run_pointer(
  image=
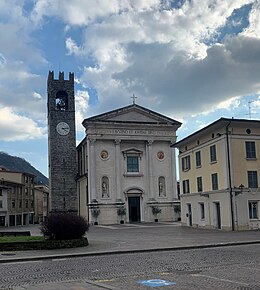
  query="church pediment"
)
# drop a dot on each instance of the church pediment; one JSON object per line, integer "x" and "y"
{"x": 132, "y": 114}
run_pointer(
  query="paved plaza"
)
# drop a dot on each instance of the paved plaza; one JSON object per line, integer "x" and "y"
{"x": 139, "y": 256}
{"x": 137, "y": 237}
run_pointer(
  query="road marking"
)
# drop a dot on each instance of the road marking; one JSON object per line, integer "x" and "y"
{"x": 219, "y": 279}
{"x": 22, "y": 262}
{"x": 156, "y": 283}
{"x": 61, "y": 259}
{"x": 107, "y": 280}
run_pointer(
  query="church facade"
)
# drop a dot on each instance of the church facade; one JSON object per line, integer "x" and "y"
{"x": 126, "y": 167}
{"x": 124, "y": 170}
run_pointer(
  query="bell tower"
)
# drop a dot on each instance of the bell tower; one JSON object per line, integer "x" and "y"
{"x": 62, "y": 143}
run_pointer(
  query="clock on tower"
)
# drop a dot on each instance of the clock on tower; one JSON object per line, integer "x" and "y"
{"x": 62, "y": 144}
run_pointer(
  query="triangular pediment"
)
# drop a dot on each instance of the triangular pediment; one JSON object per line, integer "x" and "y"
{"x": 133, "y": 114}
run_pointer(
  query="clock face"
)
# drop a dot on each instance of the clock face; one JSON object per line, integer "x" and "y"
{"x": 63, "y": 128}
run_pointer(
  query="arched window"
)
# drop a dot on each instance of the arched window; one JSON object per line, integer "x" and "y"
{"x": 61, "y": 101}
{"x": 105, "y": 187}
{"x": 161, "y": 186}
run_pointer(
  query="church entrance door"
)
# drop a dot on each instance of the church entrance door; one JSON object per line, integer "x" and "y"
{"x": 134, "y": 209}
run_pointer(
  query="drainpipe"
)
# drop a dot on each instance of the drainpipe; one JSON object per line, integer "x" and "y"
{"x": 229, "y": 179}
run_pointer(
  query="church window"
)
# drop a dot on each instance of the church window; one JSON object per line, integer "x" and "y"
{"x": 161, "y": 186}
{"x": 132, "y": 164}
{"x": 105, "y": 187}
{"x": 61, "y": 101}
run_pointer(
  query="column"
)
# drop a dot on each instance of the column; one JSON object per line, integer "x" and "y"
{"x": 92, "y": 170}
{"x": 150, "y": 169}
{"x": 173, "y": 169}
{"x": 118, "y": 171}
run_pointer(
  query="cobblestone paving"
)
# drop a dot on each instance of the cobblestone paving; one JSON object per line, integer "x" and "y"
{"x": 216, "y": 268}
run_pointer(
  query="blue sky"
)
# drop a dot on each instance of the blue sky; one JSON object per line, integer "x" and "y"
{"x": 194, "y": 61}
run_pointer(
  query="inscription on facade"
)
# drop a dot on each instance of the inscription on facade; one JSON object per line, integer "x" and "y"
{"x": 132, "y": 132}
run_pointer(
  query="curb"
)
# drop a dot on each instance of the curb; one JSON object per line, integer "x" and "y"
{"x": 106, "y": 253}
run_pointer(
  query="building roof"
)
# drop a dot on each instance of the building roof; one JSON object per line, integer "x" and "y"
{"x": 220, "y": 123}
{"x": 114, "y": 116}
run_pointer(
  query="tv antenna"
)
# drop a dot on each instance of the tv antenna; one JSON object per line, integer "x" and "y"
{"x": 249, "y": 108}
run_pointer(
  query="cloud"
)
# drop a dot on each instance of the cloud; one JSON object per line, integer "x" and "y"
{"x": 81, "y": 104}
{"x": 163, "y": 57}
{"x": 14, "y": 127}
{"x": 165, "y": 52}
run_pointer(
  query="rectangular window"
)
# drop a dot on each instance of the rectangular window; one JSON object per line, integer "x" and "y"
{"x": 185, "y": 161}
{"x": 214, "y": 180}
{"x": 199, "y": 184}
{"x": 13, "y": 203}
{"x": 1, "y": 204}
{"x": 250, "y": 149}
{"x": 132, "y": 164}
{"x": 202, "y": 211}
{"x": 252, "y": 179}
{"x": 1, "y": 192}
{"x": 213, "y": 153}
{"x": 252, "y": 207}
{"x": 198, "y": 159}
{"x": 186, "y": 186}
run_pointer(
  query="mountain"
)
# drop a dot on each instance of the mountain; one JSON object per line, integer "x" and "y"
{"x": 19, "y": 164}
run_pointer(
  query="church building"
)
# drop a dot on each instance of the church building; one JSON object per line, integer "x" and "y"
{"x": 126, "y": 165}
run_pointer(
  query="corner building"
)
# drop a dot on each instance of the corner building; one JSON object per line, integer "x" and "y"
{"x": 125, "y": 161}
{"x": 219, "y": 175}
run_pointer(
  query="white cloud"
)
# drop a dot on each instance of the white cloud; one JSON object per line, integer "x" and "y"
{"x": 254, "y": 21}
{"x": 14, "y": 127}
{"x": 81, "y": 103}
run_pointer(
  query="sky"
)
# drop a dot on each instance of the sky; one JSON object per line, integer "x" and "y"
{"x": 191, "y": 60}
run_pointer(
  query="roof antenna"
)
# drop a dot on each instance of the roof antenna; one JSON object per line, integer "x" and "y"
{"x": 133, "y": 97}
{"x": 249, "y": 108}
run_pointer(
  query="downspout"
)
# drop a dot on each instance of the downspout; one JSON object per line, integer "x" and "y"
{"x": 229, "y": 179}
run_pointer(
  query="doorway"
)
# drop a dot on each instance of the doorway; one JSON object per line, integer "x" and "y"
{"x": 189, "y": 214}
{"x": 217, "y": 215}
{"x": 134, "y": 209}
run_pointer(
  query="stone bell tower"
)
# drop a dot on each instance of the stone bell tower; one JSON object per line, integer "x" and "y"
{"x": 62, "y": 144}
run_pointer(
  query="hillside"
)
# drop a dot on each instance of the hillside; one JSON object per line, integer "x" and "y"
{"x": 19, "y": 164}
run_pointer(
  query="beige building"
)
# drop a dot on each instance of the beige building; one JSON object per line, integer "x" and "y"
{"x": 126, "y": 162}
{"x": 219, "y": 169}
{"x": 41, "y": 203}
{"x": 16, "y": 198}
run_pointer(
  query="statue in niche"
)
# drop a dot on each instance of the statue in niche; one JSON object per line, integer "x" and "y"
{"x": 161, "y": 185}
{"x": 105, "y": 191}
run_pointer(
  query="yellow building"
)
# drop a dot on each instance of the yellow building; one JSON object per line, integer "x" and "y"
{"x": 219, "y": 167}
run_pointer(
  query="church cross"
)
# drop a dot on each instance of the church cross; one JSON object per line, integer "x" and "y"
{"x": 133, "y": 97}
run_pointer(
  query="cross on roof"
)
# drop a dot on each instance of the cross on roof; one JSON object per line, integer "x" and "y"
{"x": 133, "y": 97}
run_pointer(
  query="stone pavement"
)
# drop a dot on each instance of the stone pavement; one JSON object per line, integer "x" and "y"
{"x": 142, "y": 237}
{"x": 127, "y": 238}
